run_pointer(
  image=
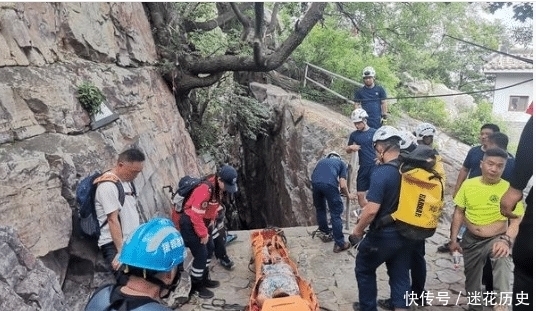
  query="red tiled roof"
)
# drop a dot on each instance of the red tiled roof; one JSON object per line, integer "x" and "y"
{"x": 503, "y": 63}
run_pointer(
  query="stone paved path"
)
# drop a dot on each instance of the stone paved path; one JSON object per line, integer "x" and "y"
{"x": 332, "y": 275}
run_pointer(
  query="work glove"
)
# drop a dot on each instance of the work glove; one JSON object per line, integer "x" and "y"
{"x": 384, "y": 119}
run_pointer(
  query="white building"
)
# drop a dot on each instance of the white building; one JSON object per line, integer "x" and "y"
{"x": 510, "y": 103}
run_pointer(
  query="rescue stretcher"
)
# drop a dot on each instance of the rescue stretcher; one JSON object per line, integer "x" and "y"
{"x": 278, "y": 286}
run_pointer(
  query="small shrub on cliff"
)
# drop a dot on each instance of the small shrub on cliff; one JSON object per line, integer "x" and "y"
{"x": 90, "y": 97}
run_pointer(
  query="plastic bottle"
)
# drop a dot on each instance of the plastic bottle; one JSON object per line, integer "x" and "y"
{"x": 457, "y": 258}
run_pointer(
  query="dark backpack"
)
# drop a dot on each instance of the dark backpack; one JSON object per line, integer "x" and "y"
{"x": 85, "y": 198}
{"x": 186, "y": 186}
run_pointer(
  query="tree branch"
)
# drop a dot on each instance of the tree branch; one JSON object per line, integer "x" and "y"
{"x": 247, "y": 63}
{"x": 190, "y": 26}
{"x": 188, "y": 82}
{"x": 244, "y": 20}
{"x": 273, "y": 20}
{"x": 258, "y": 54}
{"x": 349, "y": 16}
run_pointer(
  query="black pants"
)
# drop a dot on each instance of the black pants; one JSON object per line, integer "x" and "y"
{"x": 202, "y": 253}
{"x": 523, "y": 260}
{"x": 219, "y": 237}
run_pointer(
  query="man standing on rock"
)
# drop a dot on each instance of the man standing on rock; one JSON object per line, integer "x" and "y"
{"x": 372, "y": 98}
{"x": 382, "y": 244}
{"x": 330, "y": 174}
{"x": 360, "y": 141}
{"x": 118, "y": 221}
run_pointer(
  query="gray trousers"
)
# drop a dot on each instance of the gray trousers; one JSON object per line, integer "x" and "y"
{"x": 476, "y": 250}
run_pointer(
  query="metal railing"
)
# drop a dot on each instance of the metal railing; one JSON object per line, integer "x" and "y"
{"x": 306, "y": 78}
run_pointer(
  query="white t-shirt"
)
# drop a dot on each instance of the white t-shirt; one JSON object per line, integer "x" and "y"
{"x": 107, "y": 201}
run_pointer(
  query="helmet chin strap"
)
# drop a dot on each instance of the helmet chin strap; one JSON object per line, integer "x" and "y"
{"x": 171, "y": 287}
{"x": 383, "y": 152}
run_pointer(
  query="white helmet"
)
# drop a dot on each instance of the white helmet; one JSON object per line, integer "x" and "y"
{"x": 407, "y": 139}
{"x": 425, "y": 129}
{"x": 385, "y": 132}
{"x": 333, "y": 154}
{"x": 358, "y": 115}
{"x": 369, "y": 72}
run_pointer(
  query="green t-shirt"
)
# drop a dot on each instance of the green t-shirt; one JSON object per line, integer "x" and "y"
{"x": 481, "y": 202}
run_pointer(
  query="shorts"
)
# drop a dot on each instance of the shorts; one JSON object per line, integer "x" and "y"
{"x": 363, "y": 178}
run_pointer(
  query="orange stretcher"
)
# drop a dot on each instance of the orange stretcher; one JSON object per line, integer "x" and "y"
{"x": 278, "y": 286}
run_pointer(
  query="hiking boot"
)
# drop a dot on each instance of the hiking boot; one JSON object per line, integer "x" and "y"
{"x": 201, "y": 291}
{"x": 385, "y": 304}
{"x": 207, "y": 282}
{"x": 227, "y": 263}
{"x": 338, "y": 249}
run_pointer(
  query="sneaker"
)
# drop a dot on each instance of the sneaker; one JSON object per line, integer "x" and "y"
{"x": 338, "y": 249}
{"x": 230, "y": 237}
{"x": 227, "y": 263}
{"x": 385, "y": 304}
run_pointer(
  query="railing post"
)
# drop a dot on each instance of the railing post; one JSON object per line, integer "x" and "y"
{"x": 305, "y": 75}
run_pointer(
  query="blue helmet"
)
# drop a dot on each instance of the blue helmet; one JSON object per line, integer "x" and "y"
{"x": 155, "y": 245}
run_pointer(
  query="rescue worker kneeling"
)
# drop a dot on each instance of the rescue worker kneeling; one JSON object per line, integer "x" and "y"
{"x": 151, "y": 259}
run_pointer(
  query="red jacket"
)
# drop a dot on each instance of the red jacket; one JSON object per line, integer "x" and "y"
{"x": 201, "y": 206}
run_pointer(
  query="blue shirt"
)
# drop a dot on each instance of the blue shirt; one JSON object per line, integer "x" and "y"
{"x": 329, "y": 170}
{"x": 508, "y": 173}
{"x": 384, "y": 190}
{"x": 370, "y": 99}
{"x": 475, "y": 155}
{"x": 472, "y": 161}
{"x": 366, "y": 152}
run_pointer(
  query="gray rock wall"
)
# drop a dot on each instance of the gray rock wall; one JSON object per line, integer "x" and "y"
{"x": 25, "y": 283}
{"x": 46, "y": 144}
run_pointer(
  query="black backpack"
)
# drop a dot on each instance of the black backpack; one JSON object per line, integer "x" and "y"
{"x": 85, "y": 198}
{"x": 186, "y": 186}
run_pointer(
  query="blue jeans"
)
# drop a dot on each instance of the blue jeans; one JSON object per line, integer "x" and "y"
{"x": 325, "y": 192}
{"x": 387, "y": 246}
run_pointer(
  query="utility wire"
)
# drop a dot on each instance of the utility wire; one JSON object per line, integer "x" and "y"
{"x": 523, "y": 59}
{"x": 463, "y": 93}
{"x": 446, "y": 95}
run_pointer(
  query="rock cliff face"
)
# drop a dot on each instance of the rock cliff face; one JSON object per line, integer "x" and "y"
{"x": 46, "y": 143}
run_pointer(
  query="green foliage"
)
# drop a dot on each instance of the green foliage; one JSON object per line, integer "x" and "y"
{"x": 429, "y": 109}
{"x": 227, "y": 107}
{"x": 345, "y": 55}
{"x": 466, "y": 127}
{"x": 90, "y": 97}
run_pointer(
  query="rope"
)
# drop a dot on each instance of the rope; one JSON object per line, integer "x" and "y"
{"x": 221, "y": 304}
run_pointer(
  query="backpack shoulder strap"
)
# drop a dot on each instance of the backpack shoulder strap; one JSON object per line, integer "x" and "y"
{"x": 113, "y": 178}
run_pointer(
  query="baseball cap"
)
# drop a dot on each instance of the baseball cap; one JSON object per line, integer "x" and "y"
{"x": 228, "y": 175}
